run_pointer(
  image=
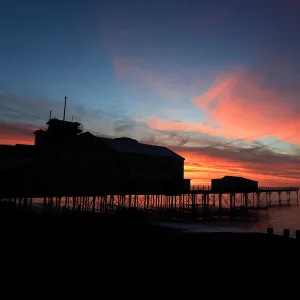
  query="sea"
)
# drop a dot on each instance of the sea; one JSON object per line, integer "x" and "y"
{"x": 279, "y": 218}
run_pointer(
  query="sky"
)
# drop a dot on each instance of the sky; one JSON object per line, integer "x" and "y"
{"x": 217, "y": 81}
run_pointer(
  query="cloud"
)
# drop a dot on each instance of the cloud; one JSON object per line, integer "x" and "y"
{"x": 21, "y": 116}
{"x": 160, "y": 124}
{"x": 30, "y": 110}
{"x": 201, "y": 169}
{"x": 11, "y": 134}
{"x": 209, "y": 156}
{"x": 255, "y": 154}
{"x": 14, "y": 107}
{"x": 242, "y": 106}
{"x": 241, "y": 109}
{"x": 258, "y": 163}
{"x": 244, "y": 149}
{"x": 124, "y": 127}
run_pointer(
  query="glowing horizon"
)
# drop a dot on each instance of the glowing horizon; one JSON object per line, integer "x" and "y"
{"x": 201, "y": 168}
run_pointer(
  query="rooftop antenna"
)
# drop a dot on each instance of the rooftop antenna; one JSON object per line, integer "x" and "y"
{"x": 65, "y": 109}
{"x": 50, "y": 115}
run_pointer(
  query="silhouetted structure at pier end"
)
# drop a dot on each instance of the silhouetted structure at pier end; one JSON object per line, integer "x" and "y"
{"x": 234, "y": 184}
{"x": 65, "y": 161}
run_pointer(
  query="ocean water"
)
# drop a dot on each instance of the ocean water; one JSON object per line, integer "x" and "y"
{"x": 279, "y": 218}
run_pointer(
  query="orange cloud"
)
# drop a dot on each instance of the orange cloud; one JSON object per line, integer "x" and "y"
{"x": 237, "y": 105}
{"x": 11, "y": 134}
{"x": 201, "y": 168}
{"x": 242, "y": 107}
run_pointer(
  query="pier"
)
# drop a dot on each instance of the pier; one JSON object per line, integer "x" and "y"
{"x": 68, "y": 170}
{"x": 197, "y": 202}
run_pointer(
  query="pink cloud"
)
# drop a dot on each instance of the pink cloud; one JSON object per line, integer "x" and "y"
{"x": 11, "y": 134}
{"x": 202, "y": 167}
{"x": 242, "y": 107}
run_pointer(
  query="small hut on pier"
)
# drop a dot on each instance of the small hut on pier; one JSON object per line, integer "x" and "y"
{"x": 234, "y": 184}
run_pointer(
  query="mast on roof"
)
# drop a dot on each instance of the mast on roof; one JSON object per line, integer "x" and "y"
{"x": 65, "y": 109}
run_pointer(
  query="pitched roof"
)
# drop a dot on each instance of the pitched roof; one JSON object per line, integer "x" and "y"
{"x": 127, "y": 145}
{"x": 236, "y": 178}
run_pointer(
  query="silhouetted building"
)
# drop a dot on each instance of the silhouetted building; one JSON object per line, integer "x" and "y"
{"x": 64, "y": 159}
{"x": 233, "y": 184}
{"x": 58, "y": 132}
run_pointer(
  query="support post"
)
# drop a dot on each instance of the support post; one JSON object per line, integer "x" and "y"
{"x": 279, "y": 195}
{"x": 93, "y": 205}
{"x": 258, "y": 199}
{"x": 246, "y": 200}
{"x": 270, "y": 231}
{"x": 286, "y": 233}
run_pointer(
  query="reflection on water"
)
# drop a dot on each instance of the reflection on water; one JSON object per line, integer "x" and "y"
{"x": 277, "y": 217}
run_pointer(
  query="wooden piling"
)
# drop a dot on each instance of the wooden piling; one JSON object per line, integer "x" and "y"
{"x": 286, "y": 233}
{"x": 270, "y": 231}
{"x": 93, "y": 205}
{"x": 220, "y": 203}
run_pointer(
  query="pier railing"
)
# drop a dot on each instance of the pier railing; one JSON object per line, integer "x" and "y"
{"x": 200, "y": 188}
{"x": 207, "y": 188}
{"x": 278, "y": 189}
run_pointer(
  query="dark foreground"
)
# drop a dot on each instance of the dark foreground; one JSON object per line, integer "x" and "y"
{"x": 92, "y": 256}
